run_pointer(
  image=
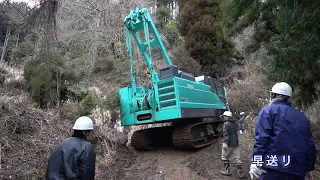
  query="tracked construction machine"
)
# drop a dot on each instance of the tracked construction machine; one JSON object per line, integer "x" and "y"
{"x": 191, "y": 105}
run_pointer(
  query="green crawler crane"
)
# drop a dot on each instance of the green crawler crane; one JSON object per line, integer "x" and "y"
{"x": 191, "y": 105}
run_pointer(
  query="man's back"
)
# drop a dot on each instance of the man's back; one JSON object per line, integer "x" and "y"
{"x": 73, "y": 158}
{"x": 286, "y": 131}
{"x": 230, "y": 130}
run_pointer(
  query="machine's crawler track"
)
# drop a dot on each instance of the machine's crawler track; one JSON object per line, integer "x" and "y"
{"x": 152, "y": 138}
{"x": 194, "y": 136}
{"x": 190, "y": 136}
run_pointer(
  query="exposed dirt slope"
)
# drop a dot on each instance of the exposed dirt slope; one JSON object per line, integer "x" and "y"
{"x": 173, "y": 164}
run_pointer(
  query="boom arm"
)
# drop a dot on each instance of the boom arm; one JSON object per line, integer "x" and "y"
{"x": 179, "y": 97}
{"x": 137, "y": 21}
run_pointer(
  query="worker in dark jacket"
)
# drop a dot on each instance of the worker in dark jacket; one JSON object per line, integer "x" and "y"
{"x": 74, "y": 158}
{"x": 284, "y": 146}
{"x": 230, "y": 145}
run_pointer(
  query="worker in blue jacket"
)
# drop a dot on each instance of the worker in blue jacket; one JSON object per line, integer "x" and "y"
{"x": 284, "y": 148}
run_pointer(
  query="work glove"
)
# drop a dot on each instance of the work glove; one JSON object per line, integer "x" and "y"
{"x": 255, "y": 171}
{"x": 308, "y": 176}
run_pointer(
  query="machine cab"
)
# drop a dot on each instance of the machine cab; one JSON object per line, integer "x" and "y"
{"x": 215, "y": 85}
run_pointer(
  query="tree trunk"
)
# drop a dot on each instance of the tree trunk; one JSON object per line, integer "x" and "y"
{"x": 4, "y": 48}
{"x": 172, "y": 9}
{"x": 58, "y": 90}
{"x": 15, "y": 46}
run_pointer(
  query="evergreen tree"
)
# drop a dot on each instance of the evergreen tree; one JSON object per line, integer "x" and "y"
{"x": 291, "y": 33}
{"x": 201, "y": 23}
{"x": 162, "y": 16}
{"x": 294, "y": 52}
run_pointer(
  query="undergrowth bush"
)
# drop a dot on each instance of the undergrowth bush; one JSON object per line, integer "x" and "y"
{"x": 69, "y": 111}
{"x": 73, "y": 109}
{"x": 103, "y": 66}
{"x": 27, "y": 137}
{"x": 3, "y": 73}
{"x": 76, "y": 92}
{"x": 87, "y": 105}
{"x": 250, "y": 93}
{"x": 172, "y": 33}
{"x": 111, "y": 100}
{"x": 47, "y": 78}
{"x": 244, "y": 96}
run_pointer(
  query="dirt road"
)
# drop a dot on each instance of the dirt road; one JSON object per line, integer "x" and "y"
{"x": 172, "y": 164}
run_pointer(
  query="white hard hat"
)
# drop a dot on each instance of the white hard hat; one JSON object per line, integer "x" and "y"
{"x": 227, "y": 113}
{"x": 242, "y": 113}
{"x": 282, "y": 88}
{"x": 83, "y": 123}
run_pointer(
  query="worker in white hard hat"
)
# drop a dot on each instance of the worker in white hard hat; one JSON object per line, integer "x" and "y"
{"x": 242, "y": 123}
{"x": 230, "y": 145}
{"x": 284, "y": 146}
{"x": 74, "y": 157}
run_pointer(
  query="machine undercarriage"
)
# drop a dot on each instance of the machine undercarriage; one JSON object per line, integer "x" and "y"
{"x": 183, "y": 136}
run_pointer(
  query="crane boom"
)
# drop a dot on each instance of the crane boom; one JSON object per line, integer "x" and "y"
{"x": 175, "y": 96}
{"x": 137, "y": 21}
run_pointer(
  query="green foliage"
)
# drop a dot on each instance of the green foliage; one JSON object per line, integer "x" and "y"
{"x": 172, "y": 33}
{"x": 40, "y": 82}
{"x": 165, "y": 3}
{"x": 103, "y": 65}
{"x": 185, "y": 63}
{"x": 87, "y": 105}
{"x": 22, "y": 50}
{"x": 162, "y": 16}
{"x": 112, "y": 100}
{"x": 47, "y": 78}
{"x": 76, "y": 92}
{"x": 233, "y": 9}
{"x": 201, "y": 23}
{"x": 12, "y": 17}
{"x": 294, "y": 52}
{"x": 74, "y": 52}
{"x": 290, "y": 31}
{"x": 240, "y": 14}
{"x": 69, "y": 111}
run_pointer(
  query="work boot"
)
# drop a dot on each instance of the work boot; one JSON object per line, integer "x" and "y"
{"x": 241, "y": 174}
{"x": 226, "y": 170}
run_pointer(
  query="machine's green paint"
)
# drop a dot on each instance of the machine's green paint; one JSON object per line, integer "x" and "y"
{"x": 167, "y": 97}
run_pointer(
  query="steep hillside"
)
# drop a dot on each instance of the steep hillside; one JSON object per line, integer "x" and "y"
{"x": 43, "y": 90}
{"x": 29, "y": 134}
